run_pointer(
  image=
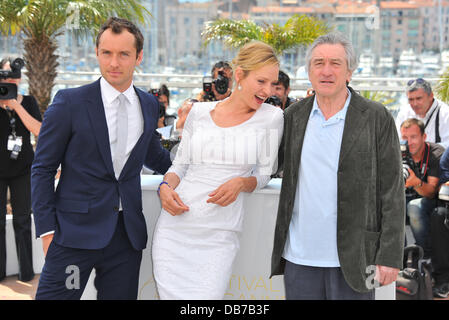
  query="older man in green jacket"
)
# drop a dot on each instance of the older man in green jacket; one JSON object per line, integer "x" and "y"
{"x": 341, "y": 217}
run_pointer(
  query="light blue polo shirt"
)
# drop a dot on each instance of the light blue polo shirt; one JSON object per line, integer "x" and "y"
{"x": 312, "y": 236}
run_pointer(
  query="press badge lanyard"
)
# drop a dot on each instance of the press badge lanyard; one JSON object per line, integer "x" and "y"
{"x": 12, "y": 122}
{"x": 430, "y": 117}
{"x": 13, "y": 139}
{"x": 437, "y": 121}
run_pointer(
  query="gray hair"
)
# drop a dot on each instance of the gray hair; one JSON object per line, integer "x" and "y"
{"x": 419, "y": 83}
{"x": 334, "y": 38}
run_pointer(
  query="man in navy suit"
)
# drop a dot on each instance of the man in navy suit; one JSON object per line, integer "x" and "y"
{"x": 94, "y": 217}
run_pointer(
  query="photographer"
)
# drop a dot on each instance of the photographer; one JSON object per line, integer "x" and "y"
{"x": 163, "y": 96}
{"x": 439, "y": 235}
{"x": 282, "y": 89}
{"x": 172, "y": 143}
{"x": 421, "y": 162}
{"x": 220, "y": 87}
{"x": 19, "y": 116}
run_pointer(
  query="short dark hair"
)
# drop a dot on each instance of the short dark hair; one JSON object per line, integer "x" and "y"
{"x": 164, "y": 91}
{"x": 283, "y": 79}
{"x": 220, "y": 64}
{"x": 413, "y": 121}
{"x": 117, "y": 25}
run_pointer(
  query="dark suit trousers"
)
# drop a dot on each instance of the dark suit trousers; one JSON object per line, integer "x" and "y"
{"x": 19, "y": 188}
{"x": 67, "y": 270}
{"x": 317, "y": 283}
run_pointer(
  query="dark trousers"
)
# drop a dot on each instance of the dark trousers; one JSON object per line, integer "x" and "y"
{"x": 20, "y": 190}
{"x": 317, "y": 283}
{"x": 66, "y": 270}
{"x": 439, "y": 235}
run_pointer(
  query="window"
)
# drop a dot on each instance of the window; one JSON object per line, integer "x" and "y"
{"x": 414, "y": 23}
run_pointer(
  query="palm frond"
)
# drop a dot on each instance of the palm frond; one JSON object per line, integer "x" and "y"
{"x": 378, "y": 96}
{"x": 442, "y": 88}
{"x": 235, "y": 34}
{"x": 299, "y": 30}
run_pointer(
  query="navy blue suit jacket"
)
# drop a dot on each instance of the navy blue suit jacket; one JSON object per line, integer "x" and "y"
{"x": 83, "y": 209}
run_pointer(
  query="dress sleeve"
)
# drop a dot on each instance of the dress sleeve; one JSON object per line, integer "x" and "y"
{"x": 182, "y": 159}
{"x": 267, "y": 151}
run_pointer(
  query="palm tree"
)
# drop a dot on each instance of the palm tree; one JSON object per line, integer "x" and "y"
{"x": 42, "y": 21}
{"x": 299, "y": 30}
{"x": 442, "y": 88}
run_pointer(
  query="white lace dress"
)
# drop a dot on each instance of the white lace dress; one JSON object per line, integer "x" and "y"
{"x": 193, "y": 253}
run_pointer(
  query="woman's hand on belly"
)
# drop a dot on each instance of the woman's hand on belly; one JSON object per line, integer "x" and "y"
{"x": 227, "y": 193}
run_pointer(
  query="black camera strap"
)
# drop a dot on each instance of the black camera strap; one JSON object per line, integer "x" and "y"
{"x": 437, "y": 122}
{"x": 425, "y": 159}
{"x": 12, "y": 121}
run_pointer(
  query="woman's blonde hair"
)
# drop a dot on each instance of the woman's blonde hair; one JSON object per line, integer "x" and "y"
{"x": 254, "y": 55}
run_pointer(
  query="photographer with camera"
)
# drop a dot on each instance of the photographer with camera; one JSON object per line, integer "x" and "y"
{"x": 282, "y": 89}
{"x": 439, "y": 233}
{"x": 421, "y": 174}
{"x": 219, "y": 87}
{"x": 19, "y": 116}
{"x": 163, "y": 96}
{"x": 171, "y": 143}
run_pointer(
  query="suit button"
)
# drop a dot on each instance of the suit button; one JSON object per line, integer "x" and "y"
{"x": 116, "y": 209}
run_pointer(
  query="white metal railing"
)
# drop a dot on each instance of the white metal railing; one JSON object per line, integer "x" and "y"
{"x": 195, "y": 81}
{"x": 183, "y": 86}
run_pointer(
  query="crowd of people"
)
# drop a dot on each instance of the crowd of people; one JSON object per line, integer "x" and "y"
{"x": 424, "y": 125}
{"x": 352, "y": 176}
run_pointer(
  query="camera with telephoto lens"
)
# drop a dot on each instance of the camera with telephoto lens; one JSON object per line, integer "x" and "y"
{"x": 407, "y": 163}
{"x": 221, "y": 83}
{"x": 274, "y": 101}
{"x": 207, "y": 89}
{"x": 407, "y": 160}
{"x": 9, "y": 90}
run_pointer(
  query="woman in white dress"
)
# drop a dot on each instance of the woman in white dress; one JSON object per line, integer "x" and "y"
{"x": 227, "y": 147}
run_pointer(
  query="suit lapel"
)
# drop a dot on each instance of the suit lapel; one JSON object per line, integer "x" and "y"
{"x": 98, "y": 121}
{"x": 356, "y": 118}
{"x": 300, "y": 118}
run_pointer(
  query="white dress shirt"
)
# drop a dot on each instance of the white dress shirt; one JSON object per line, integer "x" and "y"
{"x": 110, "y": 99}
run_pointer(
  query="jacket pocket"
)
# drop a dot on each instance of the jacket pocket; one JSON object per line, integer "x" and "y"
{"x": 70, "y": 206}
